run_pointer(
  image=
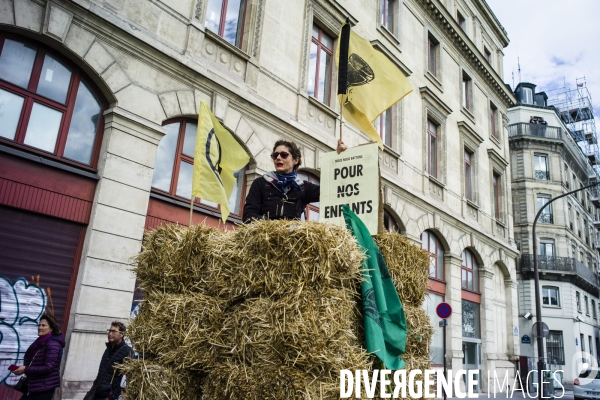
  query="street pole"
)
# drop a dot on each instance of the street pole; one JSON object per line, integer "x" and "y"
{"x": 444, "y": 324}
{"x": 445, "y": 367}
{"x": 538, "y": 306}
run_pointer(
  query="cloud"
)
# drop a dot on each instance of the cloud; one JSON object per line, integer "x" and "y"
{"x": 550, "y": 38}
{"x": 554, "y": 43}
{"x": 558, "y": 61}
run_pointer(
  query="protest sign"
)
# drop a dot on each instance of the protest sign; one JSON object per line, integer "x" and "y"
{"x": 352, "y": 178}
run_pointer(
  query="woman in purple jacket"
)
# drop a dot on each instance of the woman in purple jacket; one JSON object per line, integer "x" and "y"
{"x": 42, "y": 361}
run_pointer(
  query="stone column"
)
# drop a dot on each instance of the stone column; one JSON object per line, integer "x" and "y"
{"x": 512, "y": 320}
{"x": 486, "y": 310}
{"x": 105, "y": 284}
{"x": 454, "y": 353}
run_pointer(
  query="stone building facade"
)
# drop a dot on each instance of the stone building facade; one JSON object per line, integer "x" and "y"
{"x": 545, "y": 163}
{"x": 134, "y": 72}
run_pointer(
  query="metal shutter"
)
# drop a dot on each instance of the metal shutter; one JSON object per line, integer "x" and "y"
{"x": 37, "y": 257}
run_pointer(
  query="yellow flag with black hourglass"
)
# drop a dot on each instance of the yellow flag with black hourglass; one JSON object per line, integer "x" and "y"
{"x": 373, "y": 83}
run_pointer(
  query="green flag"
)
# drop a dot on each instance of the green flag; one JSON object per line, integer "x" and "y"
{"x": 384, "y": 319}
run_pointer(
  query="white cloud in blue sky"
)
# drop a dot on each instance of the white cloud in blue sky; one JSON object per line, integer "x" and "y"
{"x": 556, "y": 41}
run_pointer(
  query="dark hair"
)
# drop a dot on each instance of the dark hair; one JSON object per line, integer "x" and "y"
{"x": 52, "y": 323}
{"x": 119, "y": 325}
{"x": 294, "y": 151}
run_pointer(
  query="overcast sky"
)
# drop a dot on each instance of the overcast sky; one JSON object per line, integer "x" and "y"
{"x": 556, "y": 41}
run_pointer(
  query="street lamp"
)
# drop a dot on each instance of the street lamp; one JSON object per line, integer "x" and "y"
{"x": 538, "y": 306}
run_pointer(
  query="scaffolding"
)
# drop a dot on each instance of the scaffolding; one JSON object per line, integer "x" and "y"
{"x": 575, "y": 109}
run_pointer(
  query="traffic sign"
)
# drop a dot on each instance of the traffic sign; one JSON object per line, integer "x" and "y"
{"x": 443, "y": 310}
{"x": 545, "y": 330}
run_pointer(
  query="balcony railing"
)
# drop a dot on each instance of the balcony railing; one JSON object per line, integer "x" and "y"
{"x": 542, "y": 175}
{"x": 523, "y": 129}
{"x": 552, "y": 132}
{"x": 546, "y": 218}
{"x": 562, "y": 265}
{"x": 595, "y": 195}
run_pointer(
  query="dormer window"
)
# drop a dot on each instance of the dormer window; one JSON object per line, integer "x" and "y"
{"x": 527, "y": 96}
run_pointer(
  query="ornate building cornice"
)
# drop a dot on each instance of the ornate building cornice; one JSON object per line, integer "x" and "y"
{"x": 449, "y": 27}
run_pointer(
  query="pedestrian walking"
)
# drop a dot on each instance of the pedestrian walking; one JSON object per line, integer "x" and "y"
{"x": 42, "y": 362}
{"x": 107, "y": 384}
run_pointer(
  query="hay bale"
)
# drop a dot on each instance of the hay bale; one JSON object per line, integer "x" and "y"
{"x": 149, "y": 380}
{"x": 422, "y": 363}
{"x": 268, "y": 311}
{"x": 420, "y": 331}
{"x": 312, "y": 332}
{"x": 285, "y": 257}
{"x": 408, "y": 266}
{"x": 178, "y": 329}
{"x": 239, "y": 381}
{"x": 176, "y": 258}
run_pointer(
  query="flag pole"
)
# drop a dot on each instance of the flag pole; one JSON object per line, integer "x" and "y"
{"x": 380, "y": 213}
{"x": 343, "y": 49}
{"x": 341, "y": 116}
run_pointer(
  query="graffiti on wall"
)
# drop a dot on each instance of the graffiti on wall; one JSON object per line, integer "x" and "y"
{"x": 21, "y": 306}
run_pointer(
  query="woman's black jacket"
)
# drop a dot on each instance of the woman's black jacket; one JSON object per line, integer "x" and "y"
{"x": 265, "y": 200}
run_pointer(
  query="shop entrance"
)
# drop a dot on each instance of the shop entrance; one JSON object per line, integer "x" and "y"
{"x": 472, "y": 360}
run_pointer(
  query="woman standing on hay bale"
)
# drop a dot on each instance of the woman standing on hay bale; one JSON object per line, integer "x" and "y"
{"x": 280, "y": 194}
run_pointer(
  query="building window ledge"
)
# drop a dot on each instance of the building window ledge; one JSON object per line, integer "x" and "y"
{"x": 433, "y": 79}
{"x": 472, "y": 203}
{"x": 48, "y": 159}
{"x": 323, "y": 107}
{"x": 224, "y": 43}
{"x": 436, "y": 181}
{"x": 385, "y": 32}
{"x": 495, "y": 140}
{"x": 468, "y": 113}
{"x": 391, "y": 151}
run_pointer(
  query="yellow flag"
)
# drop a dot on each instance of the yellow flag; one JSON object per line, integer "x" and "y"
{"x": 374, "y": 84}
{"x": 216, "y": 157}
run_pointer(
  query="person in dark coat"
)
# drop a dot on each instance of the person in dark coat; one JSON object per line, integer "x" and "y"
{"x": 42, "y": 361}
{"x": 280, "y": 194}
{"x": 107, "y": 384}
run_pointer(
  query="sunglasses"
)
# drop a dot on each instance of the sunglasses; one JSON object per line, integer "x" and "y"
{"x": 283, "y": 154}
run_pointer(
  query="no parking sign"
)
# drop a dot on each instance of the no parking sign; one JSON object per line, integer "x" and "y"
{"x": 443, "y": 310}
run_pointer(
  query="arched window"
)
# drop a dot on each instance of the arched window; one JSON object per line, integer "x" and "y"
{"x": 46, "y": 104}
{"x": 436, "y": 290}
{"x": 389, "y": 222}
{"x": 469, "y": 271}
{"x": 311, "y": 213}
{"x": 175, "y": 164}
{"x": 433, "y": 246}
